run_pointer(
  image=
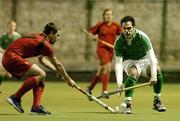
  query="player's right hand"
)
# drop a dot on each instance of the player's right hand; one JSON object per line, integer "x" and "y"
{"x": 120, "y": 87}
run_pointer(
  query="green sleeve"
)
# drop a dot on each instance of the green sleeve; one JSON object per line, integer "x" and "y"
{"x": 146, "y": 42}
{"x": 118, "y": 47}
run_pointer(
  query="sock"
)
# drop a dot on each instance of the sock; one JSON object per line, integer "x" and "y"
{"x": 128, "y": 83}
{"x": 105, "y": 80}
{"x": 94, "y": 81}
{"x": 157, "y": 96}
{"x": 158, "y": 86}
{"x": 28, "y": 84}
{"x": 37, "y": 94}
{"x": 128, "y": 100}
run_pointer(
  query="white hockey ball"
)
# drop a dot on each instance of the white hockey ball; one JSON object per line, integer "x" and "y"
{"x": 122, "y": 108}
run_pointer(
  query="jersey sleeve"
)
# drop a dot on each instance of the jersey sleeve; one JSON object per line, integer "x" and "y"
{"x": 94, "y": 30}
{"x": 47, "y": 50}
{"x": 118, "y": 47}
{"x": 146, "y": 42}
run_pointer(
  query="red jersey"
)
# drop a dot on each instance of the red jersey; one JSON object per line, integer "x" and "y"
{"x": 31, "y": 46}
{"x": 14, "y": 58}
{"x": 107, "y": 33}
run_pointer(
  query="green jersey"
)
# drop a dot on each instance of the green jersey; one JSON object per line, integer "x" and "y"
{"x": 5, "y": 40}
{"x": 138, "y": 48}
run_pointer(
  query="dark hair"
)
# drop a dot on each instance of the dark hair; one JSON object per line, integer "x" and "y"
{"x": 128, "y": 18}
{"x": 50, "y": 27}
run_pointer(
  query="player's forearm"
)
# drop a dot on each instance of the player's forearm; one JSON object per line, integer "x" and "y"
{"x": 44, "y": 61}
{"x": 153, "y": 63}
{"x": 119, "y": 71}
{"x": 60, "y": 68}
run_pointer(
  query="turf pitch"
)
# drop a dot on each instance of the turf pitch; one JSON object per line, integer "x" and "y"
{"x": 68, "y": 104}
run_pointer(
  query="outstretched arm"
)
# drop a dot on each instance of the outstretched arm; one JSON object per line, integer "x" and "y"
{"x": 61, "y": 70}
{"x": 45, "y": 62}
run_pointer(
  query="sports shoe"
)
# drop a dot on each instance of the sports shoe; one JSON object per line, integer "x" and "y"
{"x": 105, "y": 95}
{"x": 39, "y": 111}
{"x": 89, "y": 91}
{"x": 15, "y": 103}
{"x": 128, "y": 108}
{"x": 158, "y": 106}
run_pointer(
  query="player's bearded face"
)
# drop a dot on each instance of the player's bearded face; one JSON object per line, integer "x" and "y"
{"x": 127, "y": 30}
{"x": 108, "y": 16}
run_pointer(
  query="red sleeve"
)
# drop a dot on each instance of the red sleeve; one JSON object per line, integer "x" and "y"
{"x": 95, "y": 29}
{"x": 47, "y": 50}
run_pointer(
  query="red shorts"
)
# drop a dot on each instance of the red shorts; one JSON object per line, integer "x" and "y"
{"x": 105, "y": 55}
{"x": 15, "y": 64}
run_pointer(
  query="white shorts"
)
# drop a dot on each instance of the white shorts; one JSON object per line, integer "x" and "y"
{"x": 141, "y": 66}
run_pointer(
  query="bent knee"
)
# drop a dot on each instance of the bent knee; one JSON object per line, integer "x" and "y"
{"x": 106, "y": 68}
{"x": 133, "y": 72}
{"x": 41, "y": 75}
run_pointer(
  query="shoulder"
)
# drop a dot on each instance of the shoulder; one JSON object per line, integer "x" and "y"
{"x": 16, "y": 33}
{"x": 142, "y": 34}
{"x": 116, "y": 24}
{"x": 99, "y": 24}
{"x": 3, "y": 35}
{"x": 119, "y": 40}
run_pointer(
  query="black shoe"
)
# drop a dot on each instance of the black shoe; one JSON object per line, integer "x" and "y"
{"x": 40, "y": 111}
{"x": 15, "y": 103}
{"x": 158, "y": 106}
{"x": 89, "y": 91}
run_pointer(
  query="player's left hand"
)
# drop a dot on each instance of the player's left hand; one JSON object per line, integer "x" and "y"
{"x": 152, "y": 81}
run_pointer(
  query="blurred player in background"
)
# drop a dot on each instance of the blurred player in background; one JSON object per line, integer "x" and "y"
{"x": 134, "y": 53}
{"x": 5, "y": 40}
{"x": 107, "y": 30}
{"x": 11, "y": 35}
{"x": 14, "y": 61}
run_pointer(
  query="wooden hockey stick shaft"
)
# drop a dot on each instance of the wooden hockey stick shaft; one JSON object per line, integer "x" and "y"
{"x": 103, "y": 42}
{"x": 125, "y": 89}
{"x": 96, "y": 100}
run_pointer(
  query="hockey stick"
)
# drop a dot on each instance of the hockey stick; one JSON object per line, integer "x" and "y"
{"x": 96, "y": 100}
{"x": 103, "y": 42}
{"x": 125, "y": 89}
